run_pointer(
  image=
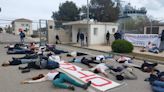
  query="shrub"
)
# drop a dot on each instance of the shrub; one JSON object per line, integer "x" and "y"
{"x": 122, "y": 46}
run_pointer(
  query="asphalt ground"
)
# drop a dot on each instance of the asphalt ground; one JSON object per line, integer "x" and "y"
{"x": 10, "y": 77}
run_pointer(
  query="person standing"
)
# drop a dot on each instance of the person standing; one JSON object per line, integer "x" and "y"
{"x": 78, "y": 36}
{"x": 117, "y": 36}
{"x": 161, "y": 47}
{"x": 22, "y": 36}
{"x": 57, "y": 39}
{"x": 86, "y": 38}
{"x": 82, "y": 39}
{"x": 108, "y": 38}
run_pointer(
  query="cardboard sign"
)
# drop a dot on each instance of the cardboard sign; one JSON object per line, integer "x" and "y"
{"x": 98, "y": 82}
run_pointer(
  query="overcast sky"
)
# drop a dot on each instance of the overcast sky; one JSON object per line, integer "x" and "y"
{"x": 42, "y": 9}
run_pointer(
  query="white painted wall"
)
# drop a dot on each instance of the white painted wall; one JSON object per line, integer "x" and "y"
{"x": 93, "y": 39}
{"x": 160, "y": 29}
{"x": 75, "y": 29}
{"x": 100, "y": 38}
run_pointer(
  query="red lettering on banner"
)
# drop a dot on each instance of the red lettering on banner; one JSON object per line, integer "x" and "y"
{"x": 99, "y": 85}
{"x": 65, "y": 63}
{"x": 85, "y": 75}
{"x": 73, "y": 68}
{"x": 53, "y": 71}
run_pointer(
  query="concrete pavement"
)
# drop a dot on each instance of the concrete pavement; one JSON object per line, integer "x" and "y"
{"x": 10, "y": 38}
{"x": 11, "y": 77}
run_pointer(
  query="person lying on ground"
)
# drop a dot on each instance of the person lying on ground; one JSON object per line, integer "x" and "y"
{"x": 148, "y": 67}
{"x": 29, "y": 58}
{"x": 126, "y": 61}
{"x": 50, "y": 47}
{"x": 156, "y": 81}
{"x": 58, "y": 79}
{"x": 32, "y": 46}
{"x": 123, "y": 72}
{"x": 101, "y": 68}
{"x": 123, "y": 58}
{"x": 74, "y": 54}
{"x": 102, "y": 57}
{"x": 84, "y": 61}
{"x": 152, "y": 48}
{"x": 41, "y": 63}
{"x": 18, "y": 62}
{"x": 17, "y": 45}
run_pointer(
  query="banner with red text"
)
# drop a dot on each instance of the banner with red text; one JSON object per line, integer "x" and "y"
{"x": 99, "y": 83}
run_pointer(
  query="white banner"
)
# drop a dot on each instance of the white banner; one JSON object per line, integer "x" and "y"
{"x": 142, "y": 39}
{"x": 99, "y": 83}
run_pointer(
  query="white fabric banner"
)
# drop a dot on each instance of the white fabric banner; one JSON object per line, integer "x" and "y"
{"x": 142, "y": 39}
{"x": 99, "y": 83}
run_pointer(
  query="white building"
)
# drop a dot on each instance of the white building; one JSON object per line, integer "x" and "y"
{"x": 96, "y": 33}
{"x": 22, "y": 24}
{"x": 154, "y": 29}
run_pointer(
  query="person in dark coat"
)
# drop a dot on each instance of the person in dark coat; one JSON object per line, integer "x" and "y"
{"x": 78, "y": 36}
{"x": 57, "y": 39}
{"x": 82, "y": 39}
{"x": 117, "y": 35}
{"x": 161, "y": 47}
{"x": 86, "y": 38}
{"x": 22, "y": 36}
{"x": 108, "y": 38}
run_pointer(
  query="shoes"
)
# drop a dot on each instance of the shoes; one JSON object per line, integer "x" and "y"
{"x": 26, "y": 70}
{"x": 85, "y": 86}
{"x": 4, "y": 65}
{"x": 155, "y": 64}
{"x": 21, "y": 68}
{"x": 71, "y": 88}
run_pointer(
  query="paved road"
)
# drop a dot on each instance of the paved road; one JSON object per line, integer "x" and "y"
{"x": 10, "y": 77}
{"x": 10, "y": 38}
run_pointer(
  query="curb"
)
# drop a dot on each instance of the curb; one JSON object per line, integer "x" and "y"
{"x": 118, "y": 54}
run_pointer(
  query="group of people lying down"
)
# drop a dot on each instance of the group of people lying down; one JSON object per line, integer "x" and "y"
{"x": 126, "y": 70}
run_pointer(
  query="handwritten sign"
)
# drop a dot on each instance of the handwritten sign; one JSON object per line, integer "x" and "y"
{"x": 98, "y": 82}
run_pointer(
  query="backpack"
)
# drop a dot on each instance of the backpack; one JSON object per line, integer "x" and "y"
{"x": 22, "y": 35}
{"x": 52, "y": 65}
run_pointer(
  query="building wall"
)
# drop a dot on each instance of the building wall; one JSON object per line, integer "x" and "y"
{"x": 160, "y": 29}
{"x": 18, "y": 25}
{"x": 75, "y": 29}
{"x": 64, "y": 35}
{"x": 159, "y": 32}
{"x": 100, "y": 36}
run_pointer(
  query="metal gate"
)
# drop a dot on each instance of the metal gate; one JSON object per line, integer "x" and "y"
{"x": 43, "y": 32}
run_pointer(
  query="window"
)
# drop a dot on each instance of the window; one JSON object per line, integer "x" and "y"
{"x": 113, "y": 30}
{"x": 95, "y": 31}
{"x": 155, "y": 30}
{"x": 50, "y": 26}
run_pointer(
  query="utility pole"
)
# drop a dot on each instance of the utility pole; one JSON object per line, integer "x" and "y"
{"x": 88, "y": 33}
